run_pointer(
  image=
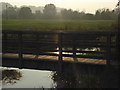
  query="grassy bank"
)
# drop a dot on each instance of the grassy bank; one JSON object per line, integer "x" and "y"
{"x": 76, "y": 25}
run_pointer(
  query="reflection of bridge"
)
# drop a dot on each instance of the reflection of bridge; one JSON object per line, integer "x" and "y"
{"x": 53, "y": 50}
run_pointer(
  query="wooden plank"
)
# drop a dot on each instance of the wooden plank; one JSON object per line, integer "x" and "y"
{"x": 84, "y": 56}
{"x": 78, "y": 51}
{"x": 49, "y": 43}
{"x": 56, "y": 32}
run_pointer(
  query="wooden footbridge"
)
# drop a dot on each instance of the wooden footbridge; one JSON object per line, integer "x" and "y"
{"x": 54, "y": 50}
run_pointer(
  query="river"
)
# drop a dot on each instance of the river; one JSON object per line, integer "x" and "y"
{"x": 32, "y": 79}
{"x": 108, "y": 78}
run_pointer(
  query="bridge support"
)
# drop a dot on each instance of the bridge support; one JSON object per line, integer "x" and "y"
{"x": 118, "y": 40}
{"x": 60, "y": 51}
{"x": 108, "y": 51}
{"x": 37, "y": 46}
{"x": 20, "y": 55}
{"x": 74, "y": 49}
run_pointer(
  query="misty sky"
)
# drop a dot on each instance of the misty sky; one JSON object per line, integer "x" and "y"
{"x": 82, "y": 5}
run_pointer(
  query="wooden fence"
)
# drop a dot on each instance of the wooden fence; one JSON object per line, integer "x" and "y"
{"x": 98, "y": 45}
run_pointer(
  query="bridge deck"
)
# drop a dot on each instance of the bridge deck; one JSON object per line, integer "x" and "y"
{"x": 70, "y": 59}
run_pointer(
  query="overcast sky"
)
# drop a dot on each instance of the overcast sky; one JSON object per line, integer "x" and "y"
{"x": 82, "y": 5}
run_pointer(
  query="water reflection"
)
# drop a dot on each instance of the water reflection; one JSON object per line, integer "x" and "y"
{"x": 10, "y": 75}
{"x": 30, "y": 79}
{"x": 108, "y": 78}
{"x": 76, "y": 81}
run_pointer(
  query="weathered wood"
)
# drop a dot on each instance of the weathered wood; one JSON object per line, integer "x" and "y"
{"x": 5, "y": 42}
{"x": 52, "y": 65}
{"x": 20, "y": 50}
{"x": 60, "y": 46}
{"x": 37, "y": 45}
{"x": 118, "y": 47}
{"x": 60, "y": 51}
{"x": 74, "y": 49}
{"x": 108, "y": 51}
{"x": 46, "y": 43}
{"x": 84, "y": 56}
{"x": 78, "y": 51}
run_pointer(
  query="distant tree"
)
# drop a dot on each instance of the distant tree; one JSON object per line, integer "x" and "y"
{"x": 38, "y": 14}
{"x": 49, "y": 11}
{"x": 81, "y": 15}
{"x": 76, "y": 15}
{"x": 64, "y": 14}
{"x": 25, "y": 13}
{"x": 4, "y": 5}
{"x": 67, "y": 14}
{"x": 70, "y": 14}
{"x": 105, "y": 14}
{"x": 9, "y": 13}
{"x": 88, "y": 16}
{"x": 98, "y": 14}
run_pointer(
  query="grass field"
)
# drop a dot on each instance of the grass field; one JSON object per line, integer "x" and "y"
{"x": 67, "y": 25}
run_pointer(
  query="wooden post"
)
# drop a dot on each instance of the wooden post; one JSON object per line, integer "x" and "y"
{"x": 108, "y": 48}
{"x": 118, "y": 48}
{"x": 74, "y": 49}
{"x": 118, "y": 41}
{"x": 5, "y": 39}
{"x": 37, "y": 46}
{"x": 60, "y": 51}
{"x": 20, "y": 50}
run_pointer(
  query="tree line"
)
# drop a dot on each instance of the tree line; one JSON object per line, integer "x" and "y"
{"x": 49, "y": 12}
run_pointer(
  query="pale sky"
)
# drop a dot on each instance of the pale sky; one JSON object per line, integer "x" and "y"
{"x": 82, "y": 5}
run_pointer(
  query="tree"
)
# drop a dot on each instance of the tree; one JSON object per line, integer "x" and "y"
{"x": 38, "y": 14}
{"x": 67, "y": 14}
{"x": 98, "y": 14}
{"x": 88, "y": 16}
{"x": 9, "y": 13}
{"x": 4, "y": 5}
{"x": 25, "y": 13}
{"x": 76, "y": 15}
{"x": 49, "y": 11}
{"x": 105, "y": 14}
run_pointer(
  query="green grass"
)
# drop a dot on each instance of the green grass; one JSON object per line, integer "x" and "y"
{"x": 71, "y": 25}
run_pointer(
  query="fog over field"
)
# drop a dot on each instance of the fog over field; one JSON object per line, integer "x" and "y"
{"x": 89, "y": 6}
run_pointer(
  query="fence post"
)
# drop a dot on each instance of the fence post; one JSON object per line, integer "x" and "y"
{"x": 108, "y": 48}
{"x": 20, "y": 50}
{"x": 5, "y": 38}
{"x": 74, "y": 49}
{"x": 37, "y": 46}
{"x": 118, "y": 47}
{"x": 60, "y": 51}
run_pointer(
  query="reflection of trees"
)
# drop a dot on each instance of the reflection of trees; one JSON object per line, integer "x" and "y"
{"x": 74, "y": 80}
{"x": 10, "y": 75}
{"x": 107, "y": 79}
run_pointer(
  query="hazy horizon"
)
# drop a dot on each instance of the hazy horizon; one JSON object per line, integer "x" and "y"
{"x": 89, "y": 6}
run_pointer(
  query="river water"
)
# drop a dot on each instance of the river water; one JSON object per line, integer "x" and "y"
{"x": 32, "y": 79}
{"x": 108, "y": 78}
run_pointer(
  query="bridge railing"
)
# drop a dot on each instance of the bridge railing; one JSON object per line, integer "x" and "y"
{"x": 98, "y": 45}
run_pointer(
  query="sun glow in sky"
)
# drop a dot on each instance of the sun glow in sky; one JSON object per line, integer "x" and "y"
{"x": 81, "y": 5}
